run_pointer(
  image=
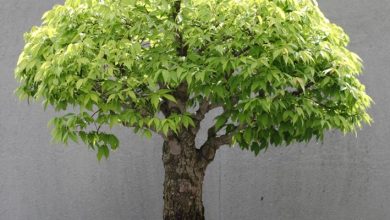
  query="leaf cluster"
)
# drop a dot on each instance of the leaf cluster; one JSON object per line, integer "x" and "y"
{"x": 279, "y": 69}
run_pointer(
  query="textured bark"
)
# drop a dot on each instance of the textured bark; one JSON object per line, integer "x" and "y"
{"x": 184, "y": 176}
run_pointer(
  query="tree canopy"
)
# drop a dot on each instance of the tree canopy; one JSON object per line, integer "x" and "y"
{"x": 278, "y": 69}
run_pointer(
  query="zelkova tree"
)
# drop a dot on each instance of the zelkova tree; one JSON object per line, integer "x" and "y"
{"x": 278, "y": 70}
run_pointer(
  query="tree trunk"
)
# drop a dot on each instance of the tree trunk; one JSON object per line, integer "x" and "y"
{"x": 184, "y": 174}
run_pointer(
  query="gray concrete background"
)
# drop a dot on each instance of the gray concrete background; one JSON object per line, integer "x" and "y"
{"x": 344, "y": 178}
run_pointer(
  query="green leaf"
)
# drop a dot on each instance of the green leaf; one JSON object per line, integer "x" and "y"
{"x": 220, "y": 122}
{"x": 248, "y": 136}
{"x": 165, "y": 129}
{"x": 155, "y": 100}
{"x": 169, "y": 97}
{"x": 103, "y": 151}
{"x": 166, "y": 75}
{"x": 148, "y": 134}
{"x": 79, "y": 83}
{"x": 113, "y": 141}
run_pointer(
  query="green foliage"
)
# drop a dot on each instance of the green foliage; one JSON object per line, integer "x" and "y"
{"x": 279, "y": 68}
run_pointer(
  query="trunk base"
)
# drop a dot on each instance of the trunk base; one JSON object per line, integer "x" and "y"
{"x": 183, "y": 183}
{"x": 185, "y": 216}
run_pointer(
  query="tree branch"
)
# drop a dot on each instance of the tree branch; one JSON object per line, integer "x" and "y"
{"x": 239, "y": 53}
{"x": 213, "y": 143}
{"x": 149, "y": 128}
{"x": 204, "y": 107}
{"x": 176, "y": 9}
{"x": 181, "y": 92}
{"x": 182, "y": 48}
{"x": 300, "y": 91}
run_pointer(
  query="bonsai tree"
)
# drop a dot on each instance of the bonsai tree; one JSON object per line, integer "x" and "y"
{"x": 278, "y": 71}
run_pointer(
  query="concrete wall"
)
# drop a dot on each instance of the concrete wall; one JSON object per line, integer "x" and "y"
{"x": 344, "y": 178}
